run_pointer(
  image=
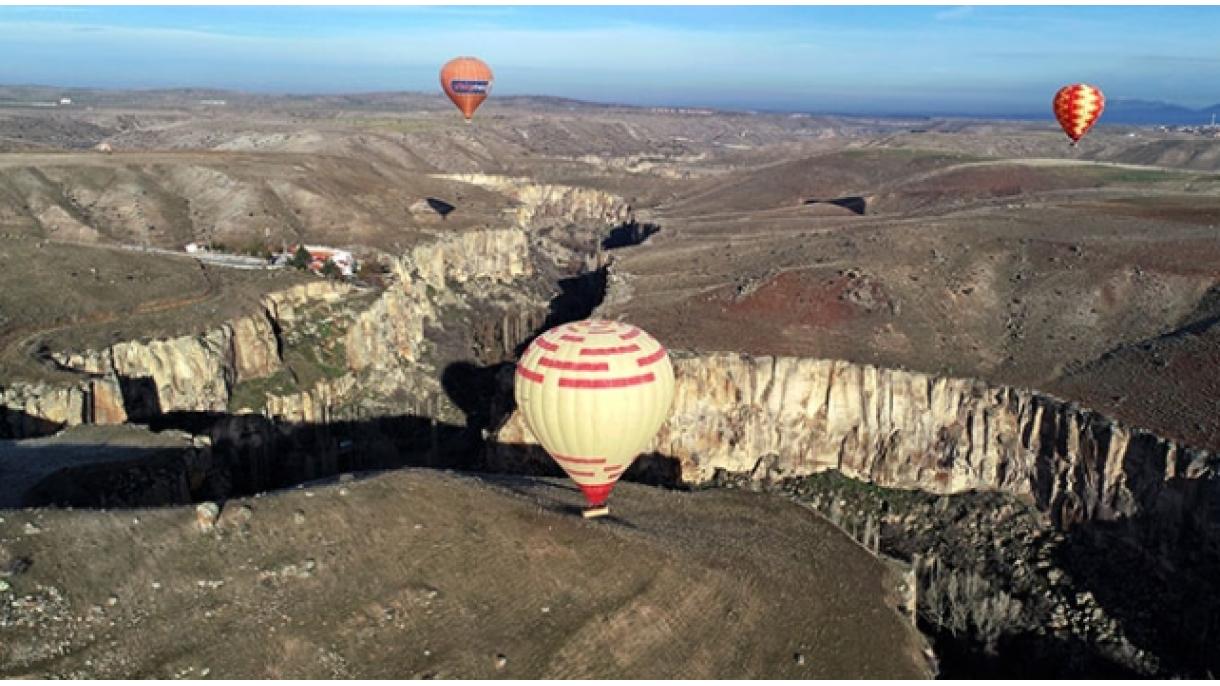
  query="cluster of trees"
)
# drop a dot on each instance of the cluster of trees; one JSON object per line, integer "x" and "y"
{"x": 301, "y": 259}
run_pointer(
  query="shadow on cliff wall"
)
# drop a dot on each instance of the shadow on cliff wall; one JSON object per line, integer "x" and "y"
{"x": 251, "y": 454}
{"x": 140, "y": 398}
{"x": 578, "y": 296}
{"x": 15, "y": 424}
{"x": 1160, "y": 583}
{"x": 1153, "y": 571}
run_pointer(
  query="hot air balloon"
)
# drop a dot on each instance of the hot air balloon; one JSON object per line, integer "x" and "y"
{"x": 1077, "y": 108}
{"x": 594, "y": 393}
{"x": 467, "y": 82}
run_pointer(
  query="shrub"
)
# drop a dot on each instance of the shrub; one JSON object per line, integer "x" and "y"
{"x": 964, "y": 604}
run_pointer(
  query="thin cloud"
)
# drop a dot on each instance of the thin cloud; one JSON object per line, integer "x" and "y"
{"x": 953, "y": 13}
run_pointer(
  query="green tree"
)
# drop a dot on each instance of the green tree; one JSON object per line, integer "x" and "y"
{"x": 301, "y": 258}
{"x": 330, "y": 269}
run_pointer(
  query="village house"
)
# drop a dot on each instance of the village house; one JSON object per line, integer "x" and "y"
{"x": 318, "y": 255}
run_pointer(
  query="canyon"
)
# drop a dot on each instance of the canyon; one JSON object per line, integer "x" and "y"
{"x": 877, "y": 357}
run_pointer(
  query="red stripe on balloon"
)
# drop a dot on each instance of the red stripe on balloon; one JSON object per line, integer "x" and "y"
{"x": 530, "y": 375}
{"x": 620, "y": 382}
{"x": 650, "y": 359}
{"x": 574, "y": 366}
{"x": 617, "y": 350}
{"x": 546, "y": 345}
{"x": 570, "y": 337}
{"x": 580, "y": 460}
{"x": 630, "y": 334}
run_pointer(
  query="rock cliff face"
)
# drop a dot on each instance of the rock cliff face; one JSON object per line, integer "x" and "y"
{"x": 542, "y": 203}
{"x": 39, "y": 409}
{"x": 186, "y": 373}
{"x": 313, "y": 406}
{"x": 499, "y": 255}
{"x": 284, "y": 306}
{"x": 775, "y": 417}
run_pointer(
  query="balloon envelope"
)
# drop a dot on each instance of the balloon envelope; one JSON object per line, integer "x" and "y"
{"x": 594, "y": 393}
{"x": 1077, "y": 108}
{"x": 467, "y": 82}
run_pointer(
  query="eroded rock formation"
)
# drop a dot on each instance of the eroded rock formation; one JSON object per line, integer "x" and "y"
{"x": 781, "y": 416}
{"x": 541, "y": 203}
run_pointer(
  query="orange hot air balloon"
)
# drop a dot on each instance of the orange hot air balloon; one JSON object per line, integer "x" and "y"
{"x": 594, "y": 393}
{"x": 1077, "y": 108}
{"x": 467, "y": 82}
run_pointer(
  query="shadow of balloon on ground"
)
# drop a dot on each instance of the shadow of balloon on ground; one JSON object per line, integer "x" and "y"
{"x": 440, "y": 206}
{"x": 854, "y": 203}
{"x": 629, "y": 234}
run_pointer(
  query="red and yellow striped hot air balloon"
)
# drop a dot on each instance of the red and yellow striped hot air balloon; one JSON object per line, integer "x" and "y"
{"x": 594, "y": 393}
{"x": 467, "y": 82}
{"x": 1077, "y": 108}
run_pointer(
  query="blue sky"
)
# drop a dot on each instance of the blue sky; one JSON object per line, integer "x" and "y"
{"x": 975, "y": 60}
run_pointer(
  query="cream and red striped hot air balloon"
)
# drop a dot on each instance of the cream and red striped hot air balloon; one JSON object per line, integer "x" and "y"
{"x": 594, "y": 393}
{"x": 1077, "y": 108}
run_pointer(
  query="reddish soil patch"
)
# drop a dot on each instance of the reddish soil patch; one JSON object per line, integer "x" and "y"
{"x": 804, "y": 298}
{"x": 794, "y": 298}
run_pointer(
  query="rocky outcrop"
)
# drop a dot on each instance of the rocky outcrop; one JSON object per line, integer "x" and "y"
{"x": 314, "y": 406}
{"x": 542, "y": 203}
{"x": 256, "y": 351}
{"x": 780, "y": 416}
{"x": 283, "y": 306}
{"x": 390, "y": 332}
{"x": 37, "y": 409}
{"x": 182, "y": 374}
{"x": 386, "y": 334}
{"x": 499, "y": 255}
{"x": 185, "y": 373}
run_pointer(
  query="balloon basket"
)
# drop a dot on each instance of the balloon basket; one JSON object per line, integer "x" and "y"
{"x": 592, "y": 512}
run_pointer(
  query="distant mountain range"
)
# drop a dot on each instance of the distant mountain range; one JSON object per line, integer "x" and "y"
{"x": 1128, "y": 111}
{"x": 1132, "y": 111}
